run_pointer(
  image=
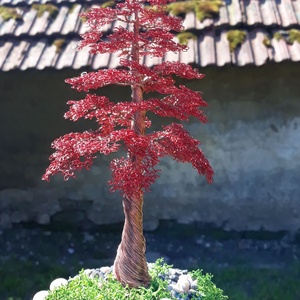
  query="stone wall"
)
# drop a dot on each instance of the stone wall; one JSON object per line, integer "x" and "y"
{"x": 252, "y": 141}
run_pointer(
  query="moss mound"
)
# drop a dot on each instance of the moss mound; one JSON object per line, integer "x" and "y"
{"x": 83, "y": 287}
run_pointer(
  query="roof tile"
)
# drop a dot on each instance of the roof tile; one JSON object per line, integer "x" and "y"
{"x": 72, "y": 22}
{"x": 260, "y": 51}
{"x": 33, "y": 55}
{"x": 252, "y": 12}
{"x": 25, "y": 26}
{"x": 40, "y": 24}
{"x": 281, "y": 51}
{"x": 294, "y": 51}
{"x": 286, "y": 12}
{"x": 244, "y": 54}
{"x": 267, "y": 12}
{"x": 30, "y": 43}
{"x": 296, "y": 7}
{"x": 222, "y": 49}
{"x": 66, "y": 57}
{"x": 56, "y": 25}
{"x": 207, "y": 49}
{"x": 48, "y": 57}
{"x": 5, "y": 48}
{"x": 16, "y": 56}
{"x": 234, "y": 13}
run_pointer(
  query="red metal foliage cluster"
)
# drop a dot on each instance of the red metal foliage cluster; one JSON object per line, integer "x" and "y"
{"x": 75, "y": 151}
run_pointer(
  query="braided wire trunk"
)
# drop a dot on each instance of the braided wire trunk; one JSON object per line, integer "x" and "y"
{"x": 130, "y": 266}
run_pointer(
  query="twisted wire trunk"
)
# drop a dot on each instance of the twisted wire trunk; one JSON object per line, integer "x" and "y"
{"x": 130, "y": 266}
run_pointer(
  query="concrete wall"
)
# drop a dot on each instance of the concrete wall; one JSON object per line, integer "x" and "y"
{"x": 252, "y": 141}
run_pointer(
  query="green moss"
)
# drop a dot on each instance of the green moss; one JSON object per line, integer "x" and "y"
{"x": 290, "y": 36}
{"x": 202, "y": 8}
{"x": 294, "y": 36}
{"x": 267, "y": 41}
{"x": 208, "y": 9}
{"x": 42, "y": 8}
{"x": 59, "y": 44}
{"x": 277, "y": 36}
{"x": 108, "y": 4}
{"x": 181, "y": 7}
{"x": 184, "y": 37}
{"x": 8, "y": 13}
{"x": 235, "y": 38}
{"x": 110, "y": 289}
{"x": 72, "y": 8}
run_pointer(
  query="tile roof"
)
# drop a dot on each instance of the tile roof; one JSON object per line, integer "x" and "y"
{"x": 40, "y": 41}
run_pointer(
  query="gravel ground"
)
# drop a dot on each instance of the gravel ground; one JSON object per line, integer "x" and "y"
{"x": 184, "y": 246}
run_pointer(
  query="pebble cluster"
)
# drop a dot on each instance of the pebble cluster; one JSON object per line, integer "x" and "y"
{"x": 180, "y": 284}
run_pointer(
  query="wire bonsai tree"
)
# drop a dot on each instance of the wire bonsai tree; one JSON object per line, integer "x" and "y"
{"x": 145, "y": 29}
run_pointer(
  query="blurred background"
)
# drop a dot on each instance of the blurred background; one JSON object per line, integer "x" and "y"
{"x": 243, "y": 228}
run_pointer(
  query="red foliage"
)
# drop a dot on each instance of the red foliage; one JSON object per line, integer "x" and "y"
{"x": 144, "y": 29}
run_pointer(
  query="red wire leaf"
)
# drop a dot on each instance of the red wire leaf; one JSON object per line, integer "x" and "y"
{"x": 141, "y": 31}
{"x": 176, "y": 142}
{"x": 101, "y": 78}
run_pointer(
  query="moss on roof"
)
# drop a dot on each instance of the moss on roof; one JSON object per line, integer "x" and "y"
{"x": 108, "y": 4}
{"x": 277, "y": 36}
{"x": 235, "y": 38}
{"x": 267, "y": 41}
{"x": 184, "y": 37}
{"x": 42, "y": 8}
{"x": 8, "y": 13}
{"x": 73, "y": 7}
{"x": 293, "y": 36}
{"x": 202, "y": 8}
{"x": 59, "y": 44}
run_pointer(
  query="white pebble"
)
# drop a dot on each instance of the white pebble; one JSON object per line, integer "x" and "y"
{"x": 41, "y": 295}
{"x": 57, "y": 283}
{"x": 183, "y": 283}
{"x": 186, "y": 277}
{"x": 87, "y": 272}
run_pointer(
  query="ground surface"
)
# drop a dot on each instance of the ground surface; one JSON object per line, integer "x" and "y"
{"x": 243, "y": 263}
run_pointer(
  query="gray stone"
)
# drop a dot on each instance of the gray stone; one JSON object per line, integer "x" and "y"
{"x": 43, "y": 219}
{"x": 150, "y": 224}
